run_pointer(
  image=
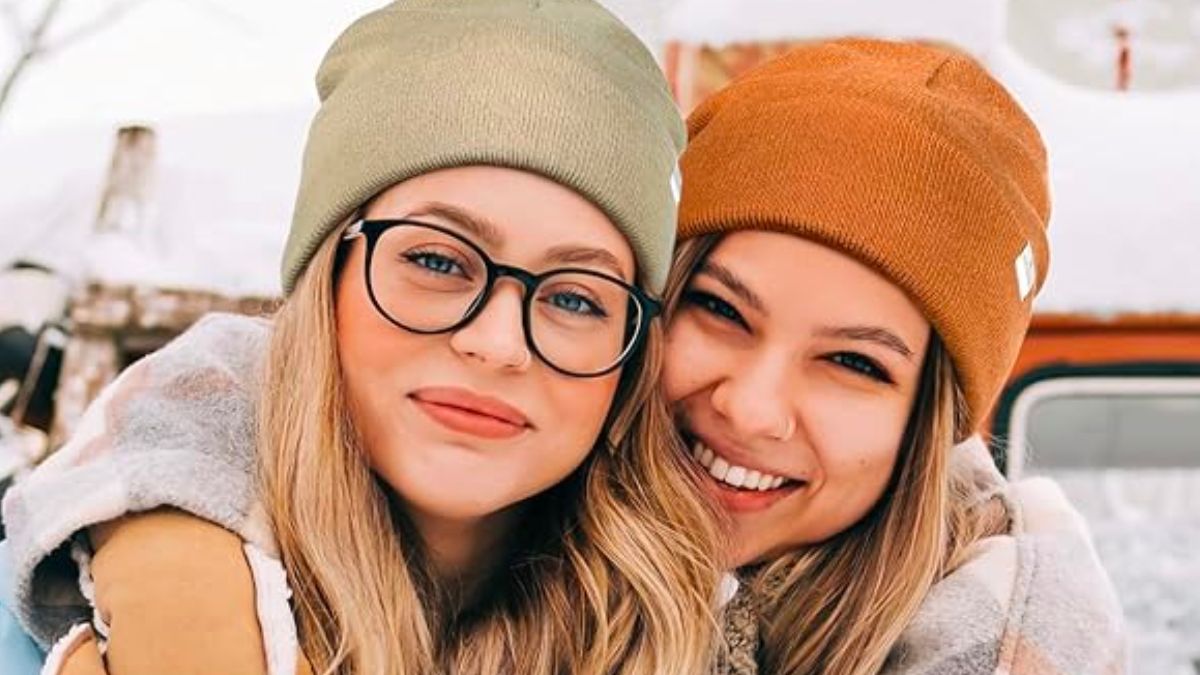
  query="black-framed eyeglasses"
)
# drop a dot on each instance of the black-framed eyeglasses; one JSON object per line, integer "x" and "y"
{"x": 428, "y": 279}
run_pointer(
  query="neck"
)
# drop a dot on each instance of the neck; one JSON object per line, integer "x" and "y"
{"x": 464, "y": 554}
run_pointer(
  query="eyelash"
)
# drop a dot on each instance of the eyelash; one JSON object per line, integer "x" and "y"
{"x": 854, "y": 362}
{"x": 861, "y": 365}
{"x": 715, "y": 306}
{"x": 424, "y": 258}
{"x": 592, "y": 308}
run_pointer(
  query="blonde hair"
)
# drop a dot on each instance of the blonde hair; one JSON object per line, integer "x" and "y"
{"x": 838, "y": 607}
{"x": 617, "y": 575}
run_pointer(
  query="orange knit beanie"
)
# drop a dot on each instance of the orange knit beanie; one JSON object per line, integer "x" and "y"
{"x": 906, "y": 156}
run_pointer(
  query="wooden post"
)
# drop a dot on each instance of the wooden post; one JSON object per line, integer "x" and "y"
{"x": 1124, "y": 57}
{"x": 114, "y": 324}
{"x": 125, "y": 201}
{"x": 89, "y": 362}
{"x": 91, "y": 358}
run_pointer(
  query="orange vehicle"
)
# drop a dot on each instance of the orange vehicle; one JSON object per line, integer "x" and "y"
{"x": 1126, "y": 387}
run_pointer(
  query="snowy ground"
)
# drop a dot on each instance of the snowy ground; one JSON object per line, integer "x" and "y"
{"x": 1146, "y": 525}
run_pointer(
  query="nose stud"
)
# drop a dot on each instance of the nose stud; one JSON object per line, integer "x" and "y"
{"x": 789, "y": 428}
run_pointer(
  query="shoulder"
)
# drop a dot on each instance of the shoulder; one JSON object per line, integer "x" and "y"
{"x": 175, "y": 429}
{"x": 228, "y": 341}
{"x": 1063, "y": 607}
{"x": 1035, "y": 600}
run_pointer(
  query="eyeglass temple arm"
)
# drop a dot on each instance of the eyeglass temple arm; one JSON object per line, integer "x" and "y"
{"x": 354, "y": 231}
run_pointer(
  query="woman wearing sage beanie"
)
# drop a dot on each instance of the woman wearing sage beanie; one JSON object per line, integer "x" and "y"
{"x": 461, "y": 455}
{"x": 862, "y": 234}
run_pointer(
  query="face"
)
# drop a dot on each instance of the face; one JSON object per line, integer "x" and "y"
{"x": 467, "y": 423}
{"x": 792, "y": 369}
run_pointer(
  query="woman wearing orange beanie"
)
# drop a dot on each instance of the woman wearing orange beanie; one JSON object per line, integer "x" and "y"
{"x": 862, "y": 234}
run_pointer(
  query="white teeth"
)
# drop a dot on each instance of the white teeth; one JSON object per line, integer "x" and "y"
{"x": 719, "y": 468}
{"x": 737, "y": 476}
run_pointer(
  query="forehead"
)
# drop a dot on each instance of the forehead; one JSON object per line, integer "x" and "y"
{"x": 803, "y": 283}
{"x": 530, "y": 214}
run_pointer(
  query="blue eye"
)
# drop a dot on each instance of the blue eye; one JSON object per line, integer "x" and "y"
{"x": 438, "y": 264}
{"x": 715, "y": 306}
{"x": 575, "y": 304}
{"x": 861, "y": 365}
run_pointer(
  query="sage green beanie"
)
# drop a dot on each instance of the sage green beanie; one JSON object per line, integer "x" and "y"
{"x": 560, "y": 88}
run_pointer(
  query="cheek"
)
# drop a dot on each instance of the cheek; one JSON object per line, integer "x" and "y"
{"x": 361, "y": 343}
{"x": 856, "y": 429}
{"x": 857, "y": 474}
{"x": 856, "y": 461}
{"x": 372, "y": 353}
{"x": 577, "y": 410}
{"x": 689, "y": 360}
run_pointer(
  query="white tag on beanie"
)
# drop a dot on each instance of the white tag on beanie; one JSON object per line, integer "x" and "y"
{"x": 676, "y": 184}
{"x": 1026, "y": 272}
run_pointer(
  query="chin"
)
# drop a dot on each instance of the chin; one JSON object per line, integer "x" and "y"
{"x": 746, "y": 551}
{"x": 455, "y": 507}
{"x": 751, "y": 547}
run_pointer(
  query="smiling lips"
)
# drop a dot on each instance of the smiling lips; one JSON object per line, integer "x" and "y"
{"x": 466, "y": 412}
{"x": 738, "y": 488}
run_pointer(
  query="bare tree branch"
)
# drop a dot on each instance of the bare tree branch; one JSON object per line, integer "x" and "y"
{"x": 31, "y": 48}
{"x": 33, "y": 42}
{"x": 115, "y": 11}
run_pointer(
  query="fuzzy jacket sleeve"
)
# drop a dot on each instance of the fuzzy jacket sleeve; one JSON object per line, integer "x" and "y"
{"x": 175, "y": 429}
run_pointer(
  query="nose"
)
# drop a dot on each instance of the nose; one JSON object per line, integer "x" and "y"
{"x": 757, "y": 401}
{"x": 496, "y": 336}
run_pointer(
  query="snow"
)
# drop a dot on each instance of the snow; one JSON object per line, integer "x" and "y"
{"x": 230, "y": 129}
{"x": 1124, "y": 230}
{"x": 975, "y": 26}
{"x": 1125, "y": 223}
{"x": 222, "y": 207}
{"x": 169, "y": 59}
{"x": 1090, "y": 35}
{"x": 1147, "y": 534}
{"x": 45, "y": 296}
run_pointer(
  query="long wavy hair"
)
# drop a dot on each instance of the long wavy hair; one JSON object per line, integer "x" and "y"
{"x": 838, "y": 607}
{"x": 616, "y": 567}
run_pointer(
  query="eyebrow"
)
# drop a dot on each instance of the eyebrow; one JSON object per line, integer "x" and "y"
{"x": 875, "y": 334}
{"x": 478, "y": 226}
{"x": 734, "y": 284}
{"x": 585, "y": 255}
{"x": 491, "y": 235}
